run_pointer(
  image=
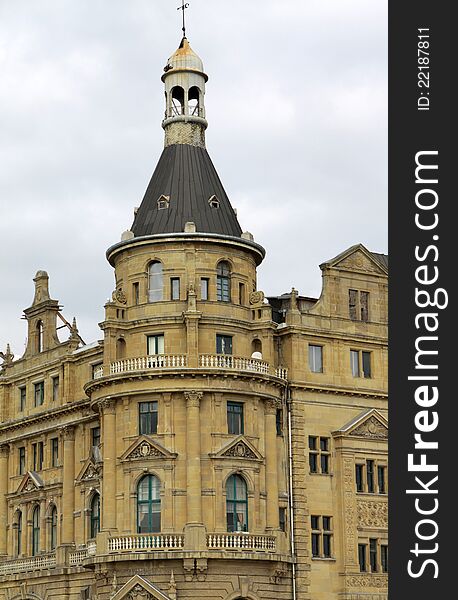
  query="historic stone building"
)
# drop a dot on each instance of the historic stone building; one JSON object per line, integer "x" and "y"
{"x": 216, "y": 443}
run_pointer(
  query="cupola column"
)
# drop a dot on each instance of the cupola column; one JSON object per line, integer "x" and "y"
{"x": 68, "y": 492}
{"x": 271, "y": 464}
{"x": 4, "y": 455}
{"x": 109, "y": 465}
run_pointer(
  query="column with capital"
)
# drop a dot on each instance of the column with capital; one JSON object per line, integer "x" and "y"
{"x": 4, "y": 455}
{"x": 68, "y": 491}
{"x": 270, "y": 409}
{"x": 108, "y": 408}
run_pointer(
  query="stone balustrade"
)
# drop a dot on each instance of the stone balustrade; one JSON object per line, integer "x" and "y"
{"x": 241, "y": 541}
{"x": 146, "y": 543}
{"x": 33, "y": 563}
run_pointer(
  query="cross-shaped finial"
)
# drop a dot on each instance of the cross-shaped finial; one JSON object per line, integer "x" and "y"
{"x": 183, "y": 7}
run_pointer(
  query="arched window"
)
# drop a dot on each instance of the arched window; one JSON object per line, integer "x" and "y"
{"x": 95, "y": 516}
{"x": 156, "y": 284}
{"x": 236, "y": 504}
{"x": 19, "y": 533}
{"x": 36, "y": 531}
{"x": 223, "y": 282}
{"x": 53, "y": 529}
{"x": 177, "y": 106}
{"x": 40, "y": 336}
{"x": 120, "y": 348}
{"x": 194, "y": 101}
{"x": 149, "y": 505}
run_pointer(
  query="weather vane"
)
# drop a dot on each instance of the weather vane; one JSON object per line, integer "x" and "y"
{"x": 183, "y": 7}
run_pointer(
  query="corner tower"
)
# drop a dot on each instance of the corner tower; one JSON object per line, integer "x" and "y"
{"x": 191, "y": 393}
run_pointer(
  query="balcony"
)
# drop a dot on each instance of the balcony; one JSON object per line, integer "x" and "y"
{"x": 24, "y": 565}
{"x": 159, "y": 362}
{"x": 145, "y": 543}
{"x": 243, "y": 542}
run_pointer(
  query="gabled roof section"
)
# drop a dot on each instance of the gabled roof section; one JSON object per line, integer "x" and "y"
{"x": 187, "y": 176}
{"x": 368, "y": 424}
{"x": 142, "y": 587}
{"x": 30, "y": 482}
{"x": 144, "y": 448}
{"x": 238, "y": 448}
{"x": 91, "y": 471}
{"x": 359, "y": 258}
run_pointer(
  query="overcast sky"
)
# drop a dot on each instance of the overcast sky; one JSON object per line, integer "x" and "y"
{"x": 297, "y": 110}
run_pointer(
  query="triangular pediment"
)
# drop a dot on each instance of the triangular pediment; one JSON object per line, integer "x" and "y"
{"x": 370, "y": 425}
{"x": 239, "y": 448}
{"x": 30, "y": 482}
{"x": 358, "y": 259}
{"x": 91, "y": 471}
{"x": 139, "y": 588}
{"x": 145, "y": 448}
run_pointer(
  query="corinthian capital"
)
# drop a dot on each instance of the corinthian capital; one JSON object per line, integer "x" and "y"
{"x": 193, "y": 398}
{"x": 4, "y": 451}
{"x": 68, "y": 433}
{"x": 107, "y": 406}
{"x": 270, "y": 406}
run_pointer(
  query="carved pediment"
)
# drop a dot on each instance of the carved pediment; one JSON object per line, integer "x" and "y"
{"x": 239, "y": 448}
{"x": 370, "y": 425}
{"x": 139, "y": 588}
{"x": 91, "y": 471}
{"x": 144, "y": 449}
{"x": 30, "y": 482}
{"x": 358, "y": 258}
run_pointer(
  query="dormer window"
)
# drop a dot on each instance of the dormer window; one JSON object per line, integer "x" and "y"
{"x": 213, "y": 201}
{"x": 163, "y": 202}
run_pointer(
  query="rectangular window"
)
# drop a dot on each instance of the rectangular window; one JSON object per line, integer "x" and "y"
{"x": 37, "y": 454}
{"x": 95, "y": 436}
{"x": 22, "y": 398}
{"x": 384, "y": 558}
{"x": 321, "y": 536}
{"x": 315, "y": 522}
{"x": 241, "y": 294}
{"x": 21, "y": 460}
{"x": 204, "y": 283}
{"x": 354, "y": 362}
{"x": 358, "y": 305}
{"x": 327, "y": 545}
{"x": 373, "y": 555}
{"x": 147, "y": 417}
{"x": 136, "y": 293}
{"x": 327, "y": 523}
{"x": 223, "y": 344}
{"x": 235, "y": 418}
{"x": 55, "y": 452}
{"x": 359, "y": 470}
{"x": 319, "y": 455}
{"x": 175, "y": 288}
{"x": 366, "y": 364}
{"x": 315, "y": 358}
{"x": 313, "y": 462}
{"x": 352, "y": 304}
{"x": 362, "y": 552}
{"x": 364, "y": 306}
{"x": 370, "y": 476}
{"x": 39, "y": 393}
{"x": 279, "y": 421}
{"x": 381, "y": 480}
{"x": 155, "y": 344}
{"x": 316, "y": 544}
{"x": 282, "y": 516}
{"x": 55, "y": 389}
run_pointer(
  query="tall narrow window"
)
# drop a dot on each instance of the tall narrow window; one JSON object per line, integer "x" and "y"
{"x": 22, "y": 398}
{"x": 313, "y": 454}
{"x": 156, "y": 284}
{"x": 223, "y": 282}
{"x": 241, "y": 294}
{"x": 36, "y": 531}
{"x": 147, "y": 417}
{"x": 236, "y": 504}
{"x": 19, "y": 534}
{"x": 53, "y": 527}
{"x": 39, "y": 393}
{"x": 235, "y": 417}
{"x": 55, "y": 389}
{"x": 22, "y": 460}
{"x": 373, "y": 555}
{"x": 55, "y": 452}
{"x": 366, "y": 357}
{"x": 223, "y": 344}
{"x": 282, "y": 517}
{"x": 370, "y": 476}
{"x": 352, "y": 304}
{"x": 315, "y": 358}
{"x": 175, "y": 288}
{"x": 149, "y": 505}
{"x": 40, "y": 336}
{"x": 95, "y": 436}
{"x": 155, "y": 344}
{"x": 37, "y": 450}
{"x": 279, "y": 421}
{"x": 362, "y": 553}
{"x": 354, "y": 362}
{"x": 364, "y": 306}
{"x": 204, "y": 284}
{"x": 327, "y": 537}
{"x": 381, "y": 479}
{"x": 359, "y": 470}
{"x": 384, "y": 558}
{"x": 316, "y": 535}
{"x": 95, "y": 516}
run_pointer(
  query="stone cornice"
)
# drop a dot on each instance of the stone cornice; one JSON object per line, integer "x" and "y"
{"x": 322, "y": 389}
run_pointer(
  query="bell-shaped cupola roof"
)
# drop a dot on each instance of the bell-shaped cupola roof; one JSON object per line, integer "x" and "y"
{"x": 185, "y": 186}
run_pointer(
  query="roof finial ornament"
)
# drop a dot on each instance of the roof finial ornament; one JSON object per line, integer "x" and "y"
{"x": 183, "y": 7}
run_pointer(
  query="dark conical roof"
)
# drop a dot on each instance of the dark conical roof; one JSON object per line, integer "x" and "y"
{"x": 186, "y": 175}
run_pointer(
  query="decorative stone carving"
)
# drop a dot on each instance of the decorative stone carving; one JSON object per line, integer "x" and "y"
{"x": 7, "y": 357}
{"x": 29, "y": 486}
{"x": 367, "y": 581}
{"x": 371, "y": 428}
{"x": 145, "y": 450}
{"x": 193, "y": 398}
{"x": 92, "y": 472}
{"x": 349, "y": 509}
{"x": 270, "y": 406}
{"x": 108, "y": 406}
{"x": 240, "y": 450}
{"x": 68, "y": 433}
{"x": 256, "y": 298}
{"x": 119, "y": 296}
{"x": 139, "y": 593}
{"x": 359, "y": 262}
{"x": 4, "y": 451}
{"x": 372, "y": 514}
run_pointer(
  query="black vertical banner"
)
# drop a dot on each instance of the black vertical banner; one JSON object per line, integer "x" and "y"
{"x": 423, "y": 363}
